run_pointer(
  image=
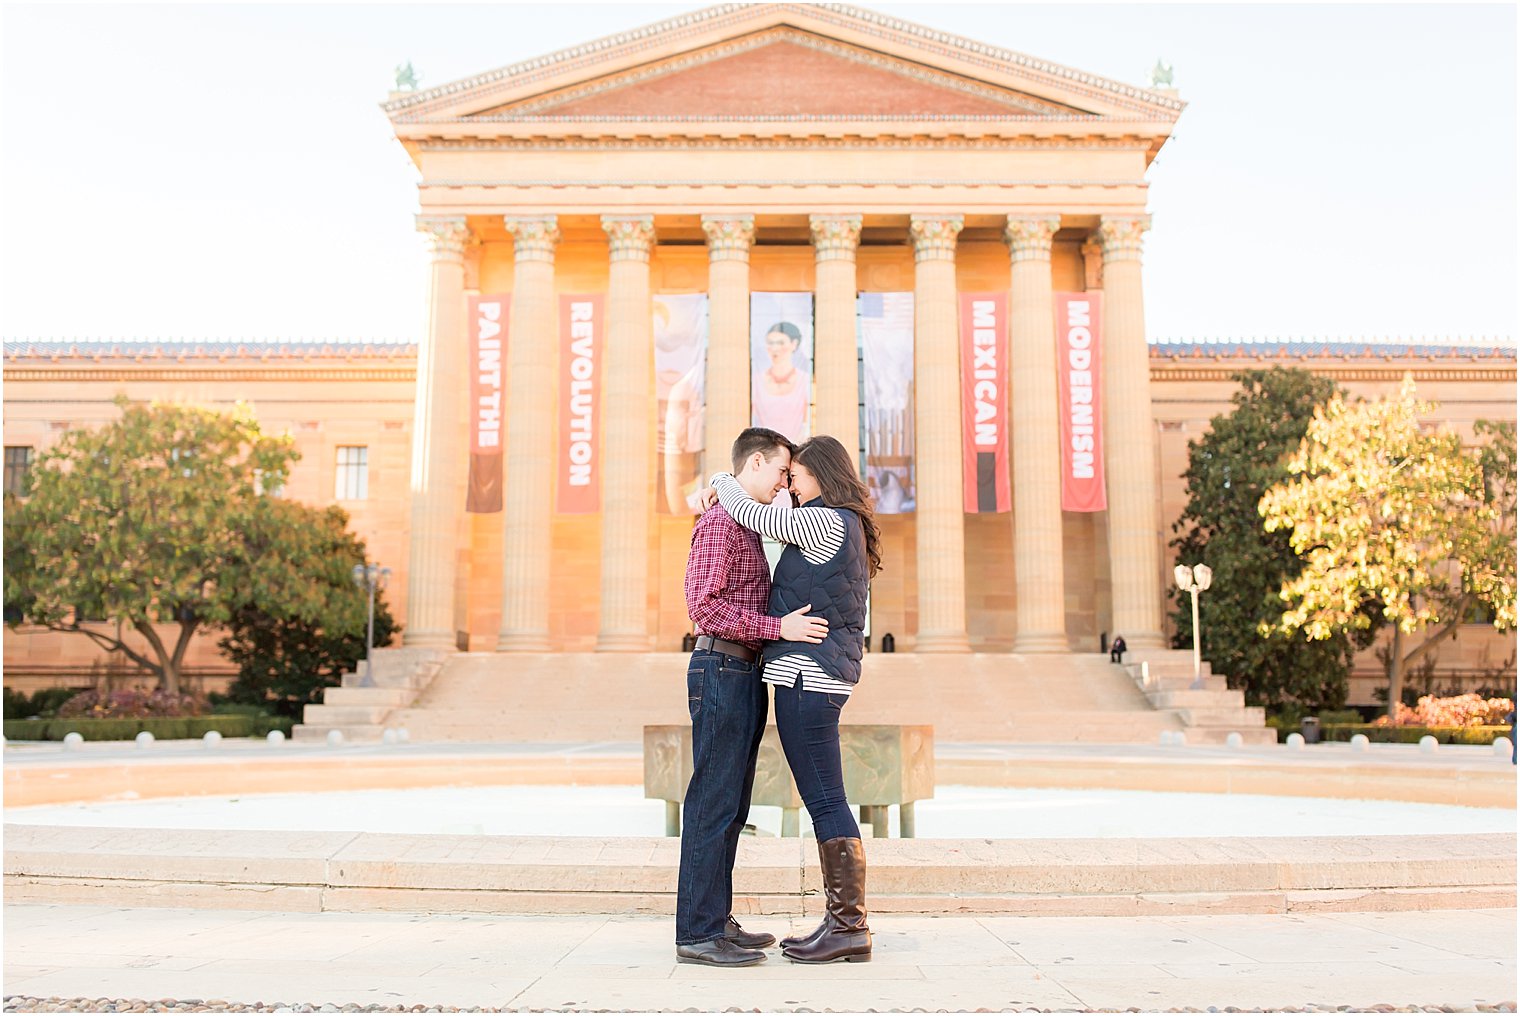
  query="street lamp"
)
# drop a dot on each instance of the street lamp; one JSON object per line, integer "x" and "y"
{"x": 370, "y": 578}
{"x": 1195, "y": 580}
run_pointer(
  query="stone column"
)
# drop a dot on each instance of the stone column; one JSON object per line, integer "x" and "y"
{"x": 1129, "y": 459}
{"x": 837, "y": 373}
{"x": 937, "y": 436}
{"x": 533, "y": 353}
{"x": 439, "y": 442}
{"x": 627, "y": 436}
{"x": 729, "y": 239}
{"x": 1035, "y": 440}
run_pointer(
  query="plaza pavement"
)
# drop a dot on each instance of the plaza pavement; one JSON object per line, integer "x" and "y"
{"x": 1456, "y": 960}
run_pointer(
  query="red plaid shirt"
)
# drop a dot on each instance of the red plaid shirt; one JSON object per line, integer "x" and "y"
{"x": 728, "y": 581}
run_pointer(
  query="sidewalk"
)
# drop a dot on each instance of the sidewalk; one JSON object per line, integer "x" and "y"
{"x": 1454, "y": 959}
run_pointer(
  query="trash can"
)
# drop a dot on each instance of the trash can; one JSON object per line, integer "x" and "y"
{"x": 1310, "y": 727}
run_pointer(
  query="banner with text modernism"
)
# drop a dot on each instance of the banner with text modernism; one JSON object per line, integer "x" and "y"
{"x": 984, "y": 401}
{"x": 580, "y": 355}
{"x": 487, "y": 323}
{"x": 1079, "y": 372}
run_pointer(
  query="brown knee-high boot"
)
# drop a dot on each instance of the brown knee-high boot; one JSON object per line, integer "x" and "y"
{"x": 843, "y": 934}
{"x": 791, "y": 941}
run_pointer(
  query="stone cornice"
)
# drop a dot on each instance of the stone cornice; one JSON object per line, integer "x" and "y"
{"x": 812, "y": 143}
{"x": 769, "y": 182}
{"x": 1162, "y": 370}
{"x": 712, "y": 21}
{"x": 231, "y": 372}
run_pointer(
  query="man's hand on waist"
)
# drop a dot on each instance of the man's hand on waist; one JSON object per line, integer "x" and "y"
{"x": 798, "y": 627}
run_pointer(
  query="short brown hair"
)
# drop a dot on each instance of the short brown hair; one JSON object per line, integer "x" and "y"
{"x": 759, "y": 439}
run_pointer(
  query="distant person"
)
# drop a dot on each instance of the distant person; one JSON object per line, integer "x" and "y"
{"x": 728, "y": 586}
{"x": 1116, "y": 650}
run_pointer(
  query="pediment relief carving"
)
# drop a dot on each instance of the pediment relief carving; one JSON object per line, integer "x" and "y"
{"x": 782, "y": 72}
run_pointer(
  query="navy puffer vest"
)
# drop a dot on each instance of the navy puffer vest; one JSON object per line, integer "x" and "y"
{"x": 837, "y": 591}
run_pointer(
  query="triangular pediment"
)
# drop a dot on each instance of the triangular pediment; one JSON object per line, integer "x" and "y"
{"x": 782, "y": 60}
{"x": 779, "y": 73}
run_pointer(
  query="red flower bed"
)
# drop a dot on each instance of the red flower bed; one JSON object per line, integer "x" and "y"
{"x": 132, "y": 704}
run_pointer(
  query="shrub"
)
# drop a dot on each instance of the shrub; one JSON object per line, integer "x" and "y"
{"x": 132, "y": 703}
{"x": 1387, "y": 734}
{"x": 43, "y": 702}
{"x": 162, "y": 727}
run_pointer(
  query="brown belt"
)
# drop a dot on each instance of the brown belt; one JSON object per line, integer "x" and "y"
{"x": 738, "y": 650}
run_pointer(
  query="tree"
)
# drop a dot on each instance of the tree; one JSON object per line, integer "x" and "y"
{"x": 1398, "y": 518}
{"x": 143, "y": 521}
{"x": 304, "y": 622}
{"x": 1229, "y": 468}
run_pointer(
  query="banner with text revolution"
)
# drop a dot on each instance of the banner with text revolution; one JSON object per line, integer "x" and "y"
{"x": 580, "y": 355}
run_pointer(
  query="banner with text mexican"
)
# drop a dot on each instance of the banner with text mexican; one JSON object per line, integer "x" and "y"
{"x": 580, "y": 354}
{"x": 984, "y": 401}
{"x": 1079, "y": 373}
{"x": 487, "y": 324}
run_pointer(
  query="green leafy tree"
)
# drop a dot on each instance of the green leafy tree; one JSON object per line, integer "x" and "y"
{"x": 1244, "y": 453}
{"x": 1398, "y": 525}
{"x": 304, "y": 622}
{"x": 142, "y": 521}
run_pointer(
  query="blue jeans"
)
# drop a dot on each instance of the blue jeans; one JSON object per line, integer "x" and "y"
{"x": 808, "y": 722}
{"x": 728, "y": 710}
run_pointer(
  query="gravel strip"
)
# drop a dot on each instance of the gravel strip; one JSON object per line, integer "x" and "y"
{"x": 26, "y": 1003}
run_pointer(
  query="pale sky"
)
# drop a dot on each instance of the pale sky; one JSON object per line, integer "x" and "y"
{"x": 224, "y": 172}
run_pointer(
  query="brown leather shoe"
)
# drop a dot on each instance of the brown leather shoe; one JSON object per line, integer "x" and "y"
{"x": 844, "y": 935}
{"x": 720, "y": 952}
{"x": 746, "y": 939}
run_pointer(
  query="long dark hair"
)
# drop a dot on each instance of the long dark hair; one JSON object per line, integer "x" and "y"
{"x": 840, "y": 487}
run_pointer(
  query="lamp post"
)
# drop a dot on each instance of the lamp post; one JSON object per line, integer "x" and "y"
{"x": 1195, "y": 580}
{"x": 370, "y": 578}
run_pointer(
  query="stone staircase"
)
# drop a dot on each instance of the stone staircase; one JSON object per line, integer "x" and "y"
{"x": 362, "y": 714}
{"x": 1209, "y": 713}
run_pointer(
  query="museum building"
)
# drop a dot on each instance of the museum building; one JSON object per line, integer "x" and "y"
{"x": 812, "y": 217}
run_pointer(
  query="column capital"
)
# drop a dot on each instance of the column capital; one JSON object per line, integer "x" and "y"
{"x": 1122, "y": 237}
{"x": 629, "y": 237}
{"x": 835, "y": 237}
{"x": 934, "y": 236}
{"x": 533, "y": 236}
{"x": 446, "y": 235}
{"x": 729, "y": 237}
{"x": 1028, "y": 236}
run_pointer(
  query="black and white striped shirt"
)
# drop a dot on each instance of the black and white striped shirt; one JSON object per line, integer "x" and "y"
{"x": 818, "y": 533}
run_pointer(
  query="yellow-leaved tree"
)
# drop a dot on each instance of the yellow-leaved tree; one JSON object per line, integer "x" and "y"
{"x": 1396, "y": 521}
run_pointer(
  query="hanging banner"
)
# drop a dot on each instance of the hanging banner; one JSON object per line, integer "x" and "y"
{"x": 781, "y": 363}
{"x": 1080, "y": 386}
{"x": 680, "y": 376}
{"x": 487, "y": 323}
{"x": 580, "y": 355}
{"x": 885, "y": 326}
{"x": 984, "y": 402}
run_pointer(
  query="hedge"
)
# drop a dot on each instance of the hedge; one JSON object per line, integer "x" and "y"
{"x": 162, "y": 727}
{"x": 1412, "y": 735}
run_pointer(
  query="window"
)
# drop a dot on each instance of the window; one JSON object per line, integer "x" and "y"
{"x": 353, "y": 473}
{"x": 18, "y": 463}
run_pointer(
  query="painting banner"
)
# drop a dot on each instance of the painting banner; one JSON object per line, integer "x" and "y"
{"x": 781, "y": 363}
{"x": 580, "y": 355}
{"x": 1080, "y": 385}
{"x": 885, "y": 327}
{"x": 680, "y": 373}
{"x": 486, "y": 320}
{"x": 984, "y": 401}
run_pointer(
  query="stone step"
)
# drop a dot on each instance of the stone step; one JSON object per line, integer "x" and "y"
{"x": 391, "y": 697}
{"x": 1250, "y": 736}
{"x": 1250, "y": 716}
{"x": 1211, "y": 682}
{"x": 1203, "y": 698}
{"x": 353, "y": 733}
{"x": 333, "y": 716}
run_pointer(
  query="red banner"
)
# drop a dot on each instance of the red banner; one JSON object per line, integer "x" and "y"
{"x": 487, "y": 324}
{"x": 1080, "y": 384}
{"x": 984, "y": 401}
{"x": 580, "y": 353}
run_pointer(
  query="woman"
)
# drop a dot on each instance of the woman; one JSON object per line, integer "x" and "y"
{"x": 833, "y": 550}
{"x": 782, "y": 390}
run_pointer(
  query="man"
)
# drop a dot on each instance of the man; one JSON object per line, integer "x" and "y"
{"x": 727, "y": 587}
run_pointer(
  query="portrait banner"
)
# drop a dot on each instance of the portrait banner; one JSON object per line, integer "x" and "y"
{"x": 885, "y": 326}
{"x": 486, "y": 320}
{"x": 580, "y": 356}
{"x": 984, "y": 402}
{"x": 680, "y": 379}
{"x": 1080, "y": 386}
{"x": 781, "y": 363}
